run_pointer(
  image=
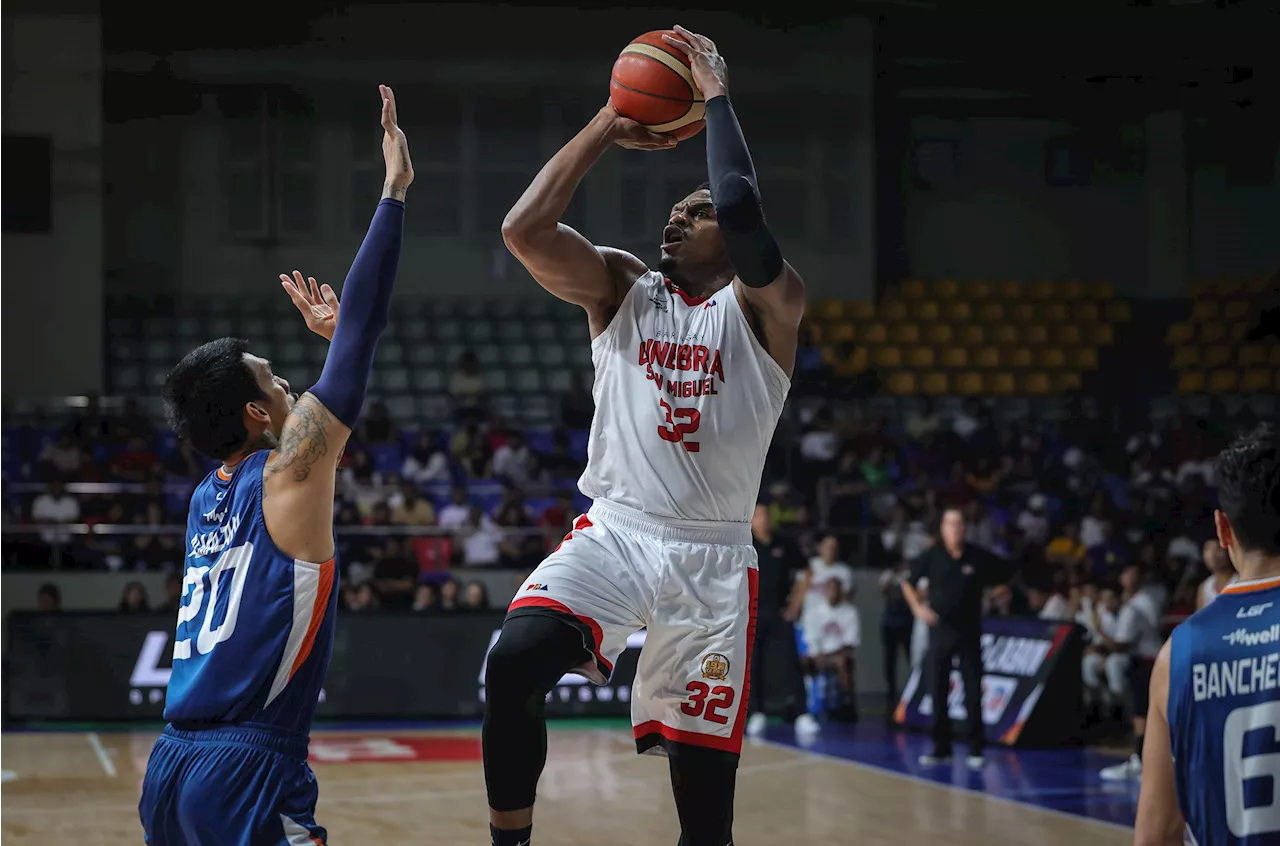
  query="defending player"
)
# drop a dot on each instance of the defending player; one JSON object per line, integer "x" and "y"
{"x": 255, "y": 628}
{"x": 1212, "y": 751}
{"x": 692, "y": 367}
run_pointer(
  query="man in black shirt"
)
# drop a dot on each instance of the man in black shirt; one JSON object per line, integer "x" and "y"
{"x": 777, "y": 608}
{"x": 958, "y": 573}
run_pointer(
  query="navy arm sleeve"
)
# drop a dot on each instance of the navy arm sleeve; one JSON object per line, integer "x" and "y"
{"x": 735, "y": 193}
{"x": 364, "y": 314}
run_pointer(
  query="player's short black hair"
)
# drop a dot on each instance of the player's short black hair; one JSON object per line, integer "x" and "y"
{"x": 205, "y": 394}
{"x": 1249, "y": 489}
{"x": 705, "y": 186}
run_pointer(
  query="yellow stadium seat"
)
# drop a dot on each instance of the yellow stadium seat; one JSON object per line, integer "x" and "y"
{"x": 1274, "y": 356}
{"x": 1217, "y": 356}
{"x": 1000, "y": 382}
{"x": 1040, "y": 290}
{"x": 1237, "y": 309}
{"x": 1230, "y": 287}
{"x": 1035, "y": 383}
{"x": 839, "y": 332}
{"x": 1256, "y": 381}
{"x": 913, "y": 289}
{"x": 1213, "y": 332}
{"x": 958, "y": 311}
{"x": 1252, "y": 356}
{"x": 1053, "y": 312}
{"x": 938, "y": 333}
{"x": 1018, "y": 357}
{"x": 955, "y": 357}
{"x": 1179, "y": 333}
{"x": 1051, "y": 358}
{"x": 987, "y": 357}
{"x": 1204, "y": 310}
{"x": 1237, "y": 332}
{"x": 1035, "y": 333}
{"x": 904, "y": 333}
{"x": 861, "y": 309}
{"x": 902, "y": 382}
{"x": 1197, "y": 288}
{"x": 977, "y": 289}
{"x": 920, "y": 358}
{"x": 972, "y": 334}
{"x": 830, "y": 356}
{"x": 830, "y": 309}
{"x": 893, "y": 310}
{"x": 946, "y": 288}
{"x": 1118, "y": 311}
{"x": 855, "y": 362}
{"x": 886, "y": 357}
{"x": 1068, "y": 334}
{"x": 1006, "y": 334}
{"x": 811, "y": 330}
{"x": 1010, "y": 289}
{"x": 969, "y": 383}
{"x": 1186, "y": 358}
{"x": 1099, "y": 290}
{"x": 1258, "y": 285}
{"x": 1022, "y": 312}
{"x": 1065, "y": 380}
{"x": 1191, "y": 382}
{"x": 926, "y": 309}
{"x": 1085, "y": 311}
{"x": 991, "y": 311}
{"x": 935, "y": 384}
{"x": 1224, "y": 381}
{"x": 1100, "y": 335}
{"x": 1069, "y": 290}
{"x": 874, "y": 333}
{"x": 1084, "y": 358}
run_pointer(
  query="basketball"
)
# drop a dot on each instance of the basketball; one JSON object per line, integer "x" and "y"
{"x": 652, "y": 85}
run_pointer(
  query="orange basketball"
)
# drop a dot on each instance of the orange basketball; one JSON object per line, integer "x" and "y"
{"x": 652, "y": 85}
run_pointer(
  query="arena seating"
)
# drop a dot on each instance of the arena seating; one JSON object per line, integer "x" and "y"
{"x": 1209, "y": 349}
{"x": 527, "y": 350}
{"x": 969, "y": 338}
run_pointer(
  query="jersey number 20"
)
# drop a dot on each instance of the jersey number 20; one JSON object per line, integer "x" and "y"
{"x": 1239, "y": 768}
{"x": 686, "y": 422}
{"x": 226, "y": 575}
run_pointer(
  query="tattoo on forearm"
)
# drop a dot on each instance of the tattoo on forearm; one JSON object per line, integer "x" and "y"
{"x": 305, "y": 439}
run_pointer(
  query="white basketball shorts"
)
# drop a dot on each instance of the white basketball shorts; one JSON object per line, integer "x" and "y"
{"x": 692, "y": 585}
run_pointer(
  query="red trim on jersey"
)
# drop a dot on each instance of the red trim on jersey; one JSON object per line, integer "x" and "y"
{"x": 554, "y": 605}
{"x": 688, "y": 298}
{"x": 583, "y": 522}
{"x": 318, "y": 608}
{"x": 732, "y": 743}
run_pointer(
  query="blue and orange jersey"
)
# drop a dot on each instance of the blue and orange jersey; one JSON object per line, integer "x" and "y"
{"x": 255, "y": 627}
{"x": 1224, "y": 716}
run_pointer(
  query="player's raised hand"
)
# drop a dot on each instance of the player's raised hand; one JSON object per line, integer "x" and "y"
{"x": 710, "y": 73}
{"x": 627, "y": 133}
{"x": 395, "y": 149}
{"x": 317, "y": 303}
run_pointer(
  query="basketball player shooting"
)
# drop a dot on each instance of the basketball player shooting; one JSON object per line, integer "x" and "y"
{"x": 255, "y": 627}
{"x": 692, "y": 366}
{"x": 1209, "y": 765}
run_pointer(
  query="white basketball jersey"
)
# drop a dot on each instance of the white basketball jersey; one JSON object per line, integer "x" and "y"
{"x": 686, "y": 403}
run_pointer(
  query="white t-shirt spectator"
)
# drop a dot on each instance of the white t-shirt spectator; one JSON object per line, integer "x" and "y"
{"x": 1093, "y": 531}
{"x": 905, "y": 541}
{"x": 453, "y": 515}
{"x": 516, "y": 465}
{"x": 480, "y": 544}
{"x": 819, "y": 445}
{"x": 434, "y": 469}
{"x": 1034, "y": 527}
{"x": 964, "y": 425}
{"x": 1055, "y": 608}
{"x": 1138, "y": 625}
{"x": 820, "y": 573}
{"x": 831, "y": 628}
{"x": 51, "y": 508}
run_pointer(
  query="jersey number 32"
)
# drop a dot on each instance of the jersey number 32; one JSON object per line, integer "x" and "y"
{"x": 225, "y": 578}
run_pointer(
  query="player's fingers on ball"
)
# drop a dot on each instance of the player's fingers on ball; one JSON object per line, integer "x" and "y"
{"x": 678, "y": 43}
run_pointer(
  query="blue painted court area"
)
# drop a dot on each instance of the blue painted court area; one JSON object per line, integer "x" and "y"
{"x": 1061, "y": 780}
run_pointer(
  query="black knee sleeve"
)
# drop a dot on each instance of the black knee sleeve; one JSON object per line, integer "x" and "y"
{"x": 531, "y": 655}
{"x": 703, "y": 780}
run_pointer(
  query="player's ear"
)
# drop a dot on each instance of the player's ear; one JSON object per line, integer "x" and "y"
{"x": 256, "y": 412}
{"x": 1226, "y": 537}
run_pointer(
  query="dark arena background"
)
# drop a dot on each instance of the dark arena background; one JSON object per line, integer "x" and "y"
{"x": 1040, "y": 248}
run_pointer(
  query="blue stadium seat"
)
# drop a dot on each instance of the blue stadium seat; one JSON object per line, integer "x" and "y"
{"x": 448, "y": 330}
{"x": 122, "y": 327}
{"x": 504, "y": 405}
{"x": 127, "y": 379}
{"x": 510, "y": 331}
{"x": 528, "y": 381}
{"x": 552, "y": 355}
{"x": 390, "y": 352}
{"x": 386, "y": 458}
{"x": 434, "y": 409}
{"x": 394, "y": 380}
{"x": 425, "y": 354}
{"x": 293, "y": 354}
{"x": 537, "y": 410}
{"x": 495, "y": 380}
{"x": 415, "y": 330}
{"x": 158, "y": 350}
{"x": 518, "y": 354}
{"x": 580, "y": 355}
{"x": 221, "y": 327}
{"x": 544, "y": 332}
{"x": 428, "y": 380}
{"x": 255, "y": 329}
{"x": 123, "y": 349}
{"x": 403, "y": 408}
{"x": 559, "y": 381}
{"x": 473, "y": 308}
{"x": 479, "y": 331}
{"x": 453, "y": 352}
{"x": 487, "y": 355}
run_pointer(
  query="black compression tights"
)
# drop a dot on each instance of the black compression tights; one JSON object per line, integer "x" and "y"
{"x": 531, "y": 655}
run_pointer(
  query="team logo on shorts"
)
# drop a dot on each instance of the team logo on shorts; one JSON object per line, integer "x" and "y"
{"x": 537, "y": 586}
{"x": 715, "y": 666}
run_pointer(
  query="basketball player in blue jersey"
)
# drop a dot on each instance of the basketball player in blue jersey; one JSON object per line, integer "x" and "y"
{"x": 1211, "y": 762}
{"x": 255, "y": 627}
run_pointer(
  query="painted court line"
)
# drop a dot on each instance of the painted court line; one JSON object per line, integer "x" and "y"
{"x": 957, "y": 787}
{"x": 108, "y": 765}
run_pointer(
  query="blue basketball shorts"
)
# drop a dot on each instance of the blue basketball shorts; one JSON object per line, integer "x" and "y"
{"x": 234, "y": 786}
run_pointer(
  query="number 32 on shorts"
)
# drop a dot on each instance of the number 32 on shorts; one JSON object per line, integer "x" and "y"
{"x": 708, "y": 702}
{"x": 679, "y": 423}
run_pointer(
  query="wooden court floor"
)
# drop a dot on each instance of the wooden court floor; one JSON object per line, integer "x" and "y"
{"x": 426, "y": 787}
